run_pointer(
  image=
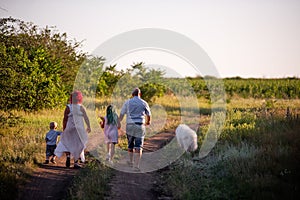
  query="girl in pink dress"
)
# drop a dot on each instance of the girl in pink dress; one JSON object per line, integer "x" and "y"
{"x": 111, "y": 124}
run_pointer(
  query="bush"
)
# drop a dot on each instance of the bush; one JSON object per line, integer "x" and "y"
{"x": 37, "y": 66}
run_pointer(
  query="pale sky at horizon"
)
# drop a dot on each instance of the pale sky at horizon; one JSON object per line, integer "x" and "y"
{"x": 243, "y": 38}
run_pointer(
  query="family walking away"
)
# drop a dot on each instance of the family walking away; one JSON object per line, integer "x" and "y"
{"x": 74, "y": 138}
{"x": 110, "y": 123}
{"x": 51, "y": 140}
{"x": 138, "y": 115}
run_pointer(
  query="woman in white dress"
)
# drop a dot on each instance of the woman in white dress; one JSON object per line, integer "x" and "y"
{"x": 74, "y": 138}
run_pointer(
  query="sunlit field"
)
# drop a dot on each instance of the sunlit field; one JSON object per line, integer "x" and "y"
{"x": 256, "y": 157}
{"x": 257, "y": 152}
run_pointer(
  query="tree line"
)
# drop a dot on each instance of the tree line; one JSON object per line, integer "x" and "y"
{"x": 38, "y": 68}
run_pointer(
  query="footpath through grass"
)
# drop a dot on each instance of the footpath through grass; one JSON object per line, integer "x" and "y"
{"x": 257, "y": 154}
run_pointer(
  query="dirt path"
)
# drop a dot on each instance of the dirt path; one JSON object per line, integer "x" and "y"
{"x": 126, "y": 185}
{"x": 132, "y": 185}
{"x": 48, "y": 182}
{"x": 52, "y": 181}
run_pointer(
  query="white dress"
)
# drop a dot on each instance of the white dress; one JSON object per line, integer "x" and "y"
{"x": 74, "y": 138}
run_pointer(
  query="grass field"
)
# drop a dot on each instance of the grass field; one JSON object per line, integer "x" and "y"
{"x": 257, "y": 154}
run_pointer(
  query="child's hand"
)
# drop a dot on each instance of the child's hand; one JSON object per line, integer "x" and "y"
{"x": 121, "y": 132}
{"x": 102, "y": 124}
{"x": 101, "y": 117}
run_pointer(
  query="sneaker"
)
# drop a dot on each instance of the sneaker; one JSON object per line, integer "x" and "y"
{"x": 46, "y": 162}
{"x": 52, "y": 160}
{"x": 68, "y": 162}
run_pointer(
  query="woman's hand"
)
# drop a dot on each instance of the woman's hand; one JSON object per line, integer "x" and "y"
{"x": 88, "y": 129}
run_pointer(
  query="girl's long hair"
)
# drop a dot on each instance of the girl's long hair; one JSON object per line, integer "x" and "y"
{"x": 111, "y": 115}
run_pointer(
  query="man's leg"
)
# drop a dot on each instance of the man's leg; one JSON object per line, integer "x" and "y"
{"x": 138, "y": 156}
{"x": 138, "y": 149}
{"x": 130, "y": 154}
{"x": 130, "y": 140}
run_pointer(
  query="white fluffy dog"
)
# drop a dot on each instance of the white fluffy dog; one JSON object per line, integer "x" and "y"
{"x": 186, "y": 138}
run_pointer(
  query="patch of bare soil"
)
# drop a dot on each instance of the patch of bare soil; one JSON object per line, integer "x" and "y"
{"x": 49, "y": 181}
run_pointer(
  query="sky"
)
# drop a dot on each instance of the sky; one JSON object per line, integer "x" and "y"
{"x": 246, "y": 38}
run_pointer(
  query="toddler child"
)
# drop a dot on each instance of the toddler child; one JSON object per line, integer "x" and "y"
{"x": 51, "y": 139}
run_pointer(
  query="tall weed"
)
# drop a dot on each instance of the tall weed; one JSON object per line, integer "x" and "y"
{"x": 256, "y": 157}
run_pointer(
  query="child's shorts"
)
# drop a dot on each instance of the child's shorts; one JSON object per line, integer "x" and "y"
{"x": 50, "y": 150}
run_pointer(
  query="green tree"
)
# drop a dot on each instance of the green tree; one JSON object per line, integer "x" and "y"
{"x": 150, "y": 81}
{"x": 88, "y": 75}
{"x": 108, "y": 80}
{"x": 37, "y": 66}
{"x": 120, "y": 83}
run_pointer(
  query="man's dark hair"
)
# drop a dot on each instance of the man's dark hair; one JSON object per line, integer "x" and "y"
{"x": 136, "y": 92}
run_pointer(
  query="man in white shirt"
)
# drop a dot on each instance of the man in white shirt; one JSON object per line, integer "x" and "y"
{"x": 138, "y": 115}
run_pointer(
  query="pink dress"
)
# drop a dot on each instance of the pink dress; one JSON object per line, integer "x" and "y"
{"x": 110, "y": 132}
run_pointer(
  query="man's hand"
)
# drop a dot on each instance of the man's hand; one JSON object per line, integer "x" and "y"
{"x": 148, "y": 120}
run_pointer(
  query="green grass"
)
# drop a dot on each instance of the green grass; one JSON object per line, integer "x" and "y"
{"x": 91, "y": 182}
{"x": 22, "y": 146}
{"x": 257, "y": 154}
{"x": 257, "y": 157}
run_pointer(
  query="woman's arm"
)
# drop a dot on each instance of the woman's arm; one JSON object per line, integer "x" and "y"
{"x": 86, "y": 119}
{"x": 65, "y": 120}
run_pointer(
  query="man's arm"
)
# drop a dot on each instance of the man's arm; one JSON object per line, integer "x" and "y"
{"x": 121, "y": 117}
{"x": 123, "y": 111}
{"x": 148, "y": 119}
{"x": 148, "y": 114}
